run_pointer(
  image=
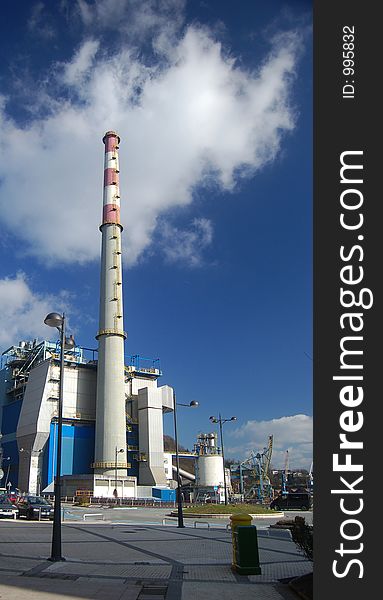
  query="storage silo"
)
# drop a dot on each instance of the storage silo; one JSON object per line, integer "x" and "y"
{"x": 210, "y": 470}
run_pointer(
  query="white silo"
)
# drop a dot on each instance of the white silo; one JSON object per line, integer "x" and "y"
{"x": 210, "y": 470}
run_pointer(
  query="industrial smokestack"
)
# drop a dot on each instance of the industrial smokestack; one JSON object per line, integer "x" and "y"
{"x": 110, "y": 403}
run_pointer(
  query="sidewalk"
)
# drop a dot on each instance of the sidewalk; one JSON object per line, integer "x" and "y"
{"x": 117, "y": 561}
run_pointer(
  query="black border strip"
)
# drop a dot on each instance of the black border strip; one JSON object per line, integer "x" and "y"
{"x": 346, "y": 119}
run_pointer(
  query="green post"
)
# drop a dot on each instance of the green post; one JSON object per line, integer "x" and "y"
{"x": 236, "y": 521}
{"x": 245, "y": 545}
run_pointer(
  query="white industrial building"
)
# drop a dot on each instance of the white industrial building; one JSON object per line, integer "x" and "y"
{"x": 28, "y": 416}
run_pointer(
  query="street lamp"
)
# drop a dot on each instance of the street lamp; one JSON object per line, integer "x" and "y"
{"x": 58, "y": 321}
{"x": 192, "y": 404}
{"x": 115, "y": 493}
{"x": 221, "y": 421}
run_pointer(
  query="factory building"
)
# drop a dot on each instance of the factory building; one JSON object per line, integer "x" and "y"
{"x": 112, "y": 438}
{"x": 29, "y": 384}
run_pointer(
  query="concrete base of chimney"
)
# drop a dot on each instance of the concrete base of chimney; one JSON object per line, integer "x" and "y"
{"x": 99, "y": 486}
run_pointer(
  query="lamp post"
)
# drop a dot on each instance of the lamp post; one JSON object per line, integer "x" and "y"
{"x": 192, "y": 404}
{"x": 221, "y": 421}
{"x": 58, "y": 321}
{"x": 115, "y": 493}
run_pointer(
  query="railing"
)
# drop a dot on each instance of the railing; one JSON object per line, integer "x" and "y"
{"x": 170, "y": 519}
{"x": 93, "y": 515}
{"x": 149, "y": 502}
{"x": 201, "y": 523}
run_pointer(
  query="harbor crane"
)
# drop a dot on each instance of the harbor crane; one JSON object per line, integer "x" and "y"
{"x": 259, "y": 465}
{"x": 285, "y": 473}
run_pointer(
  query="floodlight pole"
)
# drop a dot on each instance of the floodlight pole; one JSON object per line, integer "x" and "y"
{"x": 58, "y": 321}
{"x": 223, "y": 458}
{"x": 56, "y": 554}
{"x": 115, "y": 472}
{"x": 192, "y": 404}
{"x": 221, "y": 421}
{"x": 179, "y": 498}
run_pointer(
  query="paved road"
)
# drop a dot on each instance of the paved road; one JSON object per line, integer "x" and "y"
{"x": 140, "y": 562}
{"x": 155, "y": 516}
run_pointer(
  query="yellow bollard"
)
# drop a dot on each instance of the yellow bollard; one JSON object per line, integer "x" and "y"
{"x": 239, "y": 519}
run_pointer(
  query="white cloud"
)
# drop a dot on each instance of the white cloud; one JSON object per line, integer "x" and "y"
{"x": 185, "y": 246}
{"x": 190, "y": 119}
{"x": 22, "y": 311}
{"x": 133, "y": 18}
{"x": 293, "y": 433}
{"x": 86, "y": 12}
{"x": 81, "y": 63}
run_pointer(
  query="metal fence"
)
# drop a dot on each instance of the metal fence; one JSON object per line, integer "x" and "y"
{"x": 149, "y": 502}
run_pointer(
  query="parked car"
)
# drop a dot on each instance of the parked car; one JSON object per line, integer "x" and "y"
{"x": 291, "y": 501}
{"x": 34, "y": 507}
{"x": 7, "y": 508}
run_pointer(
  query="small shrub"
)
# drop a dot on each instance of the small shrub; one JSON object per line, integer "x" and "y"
{"x": 302, "y": 535}
{"x": 82, "y": 500}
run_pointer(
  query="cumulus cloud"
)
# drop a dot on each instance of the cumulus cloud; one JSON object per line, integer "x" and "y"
{"x": 22, "y": 311}
{"x": 192, "y": 117}
{"x": 81, "y": 64}
{"x": 293, "y": 433}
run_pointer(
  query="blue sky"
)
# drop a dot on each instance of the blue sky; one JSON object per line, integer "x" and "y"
{"x": 213, "y": 103}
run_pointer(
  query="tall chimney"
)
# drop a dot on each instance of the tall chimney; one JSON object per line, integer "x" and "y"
{"x": 110, "y": 402}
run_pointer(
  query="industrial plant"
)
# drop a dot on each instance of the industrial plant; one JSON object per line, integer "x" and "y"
{"x": 95, "y": 416}
{"x": 111, "y": 409}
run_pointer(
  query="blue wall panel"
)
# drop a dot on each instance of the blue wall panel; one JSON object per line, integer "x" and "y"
{"x": 11, "y": 413}
{"x": 83, "y": 448}
{"x": 67, "y": 457}
{"x": 11, "y": 449}
{"x": 52, "y": 453}
{"x": 132, "y": 440}
{"x": 77, "y": 450}
{"x": 133, "y": 471}
{"x": 44, "y": 468}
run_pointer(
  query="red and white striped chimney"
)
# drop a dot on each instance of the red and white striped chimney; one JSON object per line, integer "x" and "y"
{"x": 110, "y": 403}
